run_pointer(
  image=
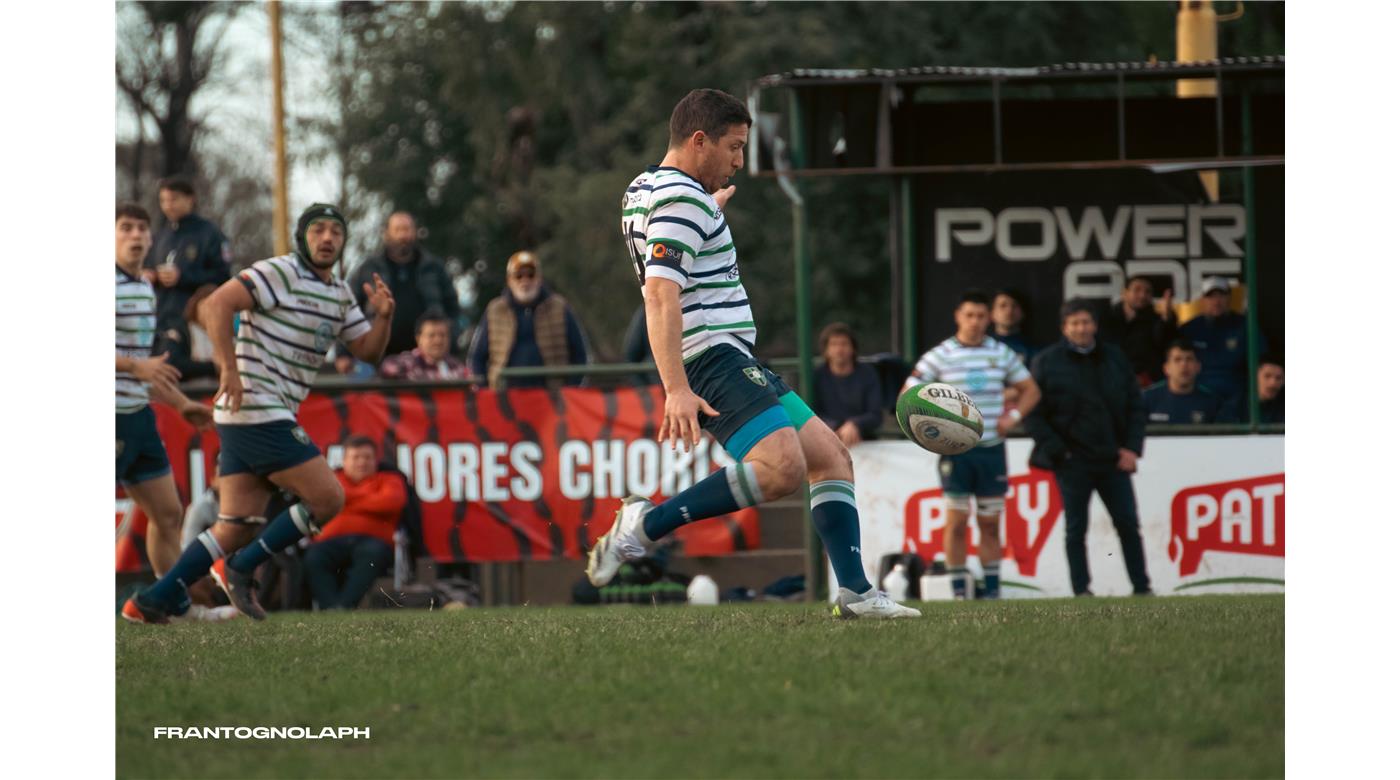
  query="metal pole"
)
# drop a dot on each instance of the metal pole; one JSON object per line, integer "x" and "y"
{"x": 1251, "y": 265}
{"x": 906, "y": 225}
{"x": 280, "y": 233}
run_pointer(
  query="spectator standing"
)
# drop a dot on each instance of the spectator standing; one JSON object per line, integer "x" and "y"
{"x": 418, "y": 280}
{"x": 430, "y": 359}
{"x": 1088, "y": 429}
{"x": 189, "y": 252}
{"x": 1270, "y": 382}
{"x": 982, "y": 367}
{"x": 527, "y": 325}
{"x": 636, "y": 346}
{"x": 1136, "y": 328}
{"x": 1219, "y": 337}
{"x": 357, "y": 545}
{"x": 846, "y": 392}
{"x": 1178, "y": 399}
{"x": 1008, "y": 315}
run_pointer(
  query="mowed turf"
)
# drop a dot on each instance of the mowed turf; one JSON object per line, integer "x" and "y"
{"x": 1165, "y": 687}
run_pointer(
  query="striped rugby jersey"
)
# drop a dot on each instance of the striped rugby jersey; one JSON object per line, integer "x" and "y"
{"x": 981, "y": 371}
{"x": 296, "y": 318}
{"x": 136, "y": 332}
{"x": 675, "y": 230}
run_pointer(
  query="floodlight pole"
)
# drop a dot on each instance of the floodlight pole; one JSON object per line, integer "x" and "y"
{"x": 279, "y": 140}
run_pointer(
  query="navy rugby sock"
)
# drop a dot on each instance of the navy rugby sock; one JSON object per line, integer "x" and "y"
{"x": 170, "y": 592}
{"x": 838, "y": 524}
{"x": 992, "y": 575}
{"x": 285, "y": 529}
{"x": 730, "y": 489}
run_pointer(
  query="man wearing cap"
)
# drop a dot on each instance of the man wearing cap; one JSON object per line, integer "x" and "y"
{"x": 419, "y": 281}
{"x": 528, "y": 325}
{"x": 290, "y": 310}
{"x": 1218, "y": 334}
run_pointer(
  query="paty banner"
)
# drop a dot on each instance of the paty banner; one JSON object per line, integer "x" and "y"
{"x": 1211, "y": 510}
{"x": 501, "y": 476}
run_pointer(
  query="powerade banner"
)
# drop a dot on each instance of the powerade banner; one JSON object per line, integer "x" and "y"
{"x": 1211, "y": 510}
{"x": 1067, "y": 234}
{"x": 501, "y": 476}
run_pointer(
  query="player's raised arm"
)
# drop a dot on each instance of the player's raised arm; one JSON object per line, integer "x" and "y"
{"x": 379, "y": 301}
{"x": 681, "y": 418}
{"x": 216, "y": 314}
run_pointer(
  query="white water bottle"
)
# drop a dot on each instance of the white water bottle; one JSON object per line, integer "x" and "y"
{"x": 896, "y": 583}
{"x": 702, "y": 590}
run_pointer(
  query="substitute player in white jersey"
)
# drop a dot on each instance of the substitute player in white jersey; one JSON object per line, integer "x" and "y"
{"x": 290, "y": 312}
{"x": 143, "y": 469}
{"x": 702, "y": 336}
{"x": 982, "y": 367}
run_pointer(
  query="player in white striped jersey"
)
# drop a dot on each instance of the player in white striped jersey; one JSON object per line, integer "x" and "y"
{"x": 982, "y": 367}
{"x": 143, "y": 469}
{"x": 291, "y": 311}
{"x": 702, "y": 336}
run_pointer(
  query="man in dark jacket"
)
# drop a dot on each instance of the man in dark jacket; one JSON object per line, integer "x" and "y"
{"x": 1139, "y": 330}
{"x": 419, "y": 281}
{"x": 1088, "y": 428}
{"x": 189, "y": 252}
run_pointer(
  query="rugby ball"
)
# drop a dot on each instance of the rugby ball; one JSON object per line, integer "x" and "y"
{"x": 940, "y": 418}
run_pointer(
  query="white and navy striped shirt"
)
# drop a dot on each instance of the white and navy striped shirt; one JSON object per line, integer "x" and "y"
{"x": 296, "y": 318}
{"x": 675, "y": 230}
{"x": 136, "y": 332}
{"x": 982, "y": 371}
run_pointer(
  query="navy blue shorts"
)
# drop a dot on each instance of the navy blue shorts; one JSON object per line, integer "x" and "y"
{"x": 751, "y": 400}
{"x": 263, "y": 448}
{"x": 140, "y": 452}
{"x": 981, "y": 472}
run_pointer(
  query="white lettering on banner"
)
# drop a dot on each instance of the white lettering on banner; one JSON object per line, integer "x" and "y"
{"x": 1158, "y": 222}
{"x": 574, "y": 482}
{"x": 1268, "y": 495}
{"x": 643, "y": 467}
{"x": 1032, "y": 513}
{"x": 493, "y": 471}
{"x": 1037, "y": 216}
{"x": 943, "y": 222}
{"x": 676, "y": 465}
{"x": 1092, "y": 225}
{"x": 405, "y": 458}
{"x": 430, "y": 472}
{"x": 1235, "y": 516}
{"x": 609, "y": 459}
{"x": 462, "y": 464}
{"x": 1201, "y": 511}
{"x": 930, "y": 518}
{"x": 527, "y": 485}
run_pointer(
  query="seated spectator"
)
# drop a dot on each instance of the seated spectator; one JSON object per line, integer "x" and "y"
{"x": 1220, "y": 340}
{"x": 1270, "y": 381}
{"x": 430, "y": 359}
{"x": 528, "y": 325}
{"x": 349, "y": 366}
{"x": 1136, "y": 327}
{"x": 846, "y": 394}
{"x": 357, "y": 545}
{"x": 1178, "y": 399}
{"x": 1007, "y": 316}
{"x": 417, "y": 278}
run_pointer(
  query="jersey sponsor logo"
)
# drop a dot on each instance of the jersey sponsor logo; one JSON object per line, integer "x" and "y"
{"x": 663, "y": 252}
{"x": 1243, "y": 516}
{"x": 325, "y": 336}
{"x": 755, "y": 375}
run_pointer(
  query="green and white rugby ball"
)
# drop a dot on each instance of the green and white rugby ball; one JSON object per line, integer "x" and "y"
{"x": 940, "y": 418}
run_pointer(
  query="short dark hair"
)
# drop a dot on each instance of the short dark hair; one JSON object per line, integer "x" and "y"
{"x": 1076, "y": 305}
{"x": 180, "y": 184}
{"x": 400, "y": 212}
{"x": 708, "y": 110}
{"x": 432, "y": 315}
{"x": 1139, "y": 278}
{"x": 1183, "y": 345}
{"x": 837, "y": 329}
{"x": 359, "y": 440}
{"x": 974, "y": 296}
{"x": 1271, "y": 359}
{"x": 133, "y": 211}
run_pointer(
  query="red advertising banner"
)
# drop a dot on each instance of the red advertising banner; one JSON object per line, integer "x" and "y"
{"x": 500, "y": 476}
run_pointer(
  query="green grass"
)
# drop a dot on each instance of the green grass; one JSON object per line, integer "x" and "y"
{"x": 1165, "y": 687}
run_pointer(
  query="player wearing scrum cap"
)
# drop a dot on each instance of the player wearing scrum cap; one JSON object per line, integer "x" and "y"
{"x": 290, "y": 312}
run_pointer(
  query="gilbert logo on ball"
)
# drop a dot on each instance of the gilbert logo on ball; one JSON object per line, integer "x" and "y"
{"x": 940, "y": 418}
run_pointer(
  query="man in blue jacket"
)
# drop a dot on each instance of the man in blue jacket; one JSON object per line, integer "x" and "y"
{"x": 1089, "y": 428}
{"x": 1219, "y": 337}
{"x": 189, "y": 252}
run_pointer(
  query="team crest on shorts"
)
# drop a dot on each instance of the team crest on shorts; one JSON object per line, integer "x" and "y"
{"x": 299, "y": 434}
{"x": 755, "y": 375}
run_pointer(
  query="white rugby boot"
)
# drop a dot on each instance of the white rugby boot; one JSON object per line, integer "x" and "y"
{"x": 622, "y": 542}
{"x": 874, "y": 604}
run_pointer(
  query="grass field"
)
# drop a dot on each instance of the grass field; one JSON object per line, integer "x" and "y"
{"x": 1165, "y": 687}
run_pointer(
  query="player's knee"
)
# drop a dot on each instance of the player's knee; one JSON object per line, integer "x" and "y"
{"x": 327, "y": 503}
{"x": 780, "y": 479}
{"x": 167, "y": 519}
